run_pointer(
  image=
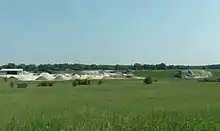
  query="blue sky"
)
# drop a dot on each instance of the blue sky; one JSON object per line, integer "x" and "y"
{"x": 110, "y": 31}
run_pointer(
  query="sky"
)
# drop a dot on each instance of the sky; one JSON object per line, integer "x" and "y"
{"x": 110, "y": 31}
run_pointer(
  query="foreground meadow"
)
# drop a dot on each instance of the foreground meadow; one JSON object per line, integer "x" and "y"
{"x": 170, "y": 104}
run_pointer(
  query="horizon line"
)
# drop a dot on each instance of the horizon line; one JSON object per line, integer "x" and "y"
{"x": 113, "y": 64}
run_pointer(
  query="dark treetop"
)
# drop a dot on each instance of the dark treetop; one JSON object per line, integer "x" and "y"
{"x": 69, "y": 67}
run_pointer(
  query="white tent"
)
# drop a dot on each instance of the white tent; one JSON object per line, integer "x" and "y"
{"x": 28, "y": 77}
{"x": 47, "y": 76}
{"x": 76, "y": 76}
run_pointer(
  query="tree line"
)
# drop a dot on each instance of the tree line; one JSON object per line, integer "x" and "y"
{"x": 77, "y": 67}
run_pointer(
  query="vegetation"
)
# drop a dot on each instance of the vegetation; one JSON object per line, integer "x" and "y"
{"x": 83, "y": 81}
{"x": 12, "y": 84}
{"x": 119, "y": 105}
{"x": 5, "y": 79}
{"x": 22, "y": 85}
{"x": 148, "y": 80}
{"x": 45, "y": 83}
{"x": 75, "y": 83}
{"x": 111, "y": 121}
{"x": 89, "y": 82}
{"x": 212, "y": 79}
{"x": 100, "y": 82}
{"x": 80, "y": 82}
{"x": 51, "y": 68}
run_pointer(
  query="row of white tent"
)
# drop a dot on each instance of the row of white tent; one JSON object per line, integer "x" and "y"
{"x": 46, "y": 76}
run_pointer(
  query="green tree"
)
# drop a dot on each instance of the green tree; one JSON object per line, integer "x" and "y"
{"x": 138, "y": 66}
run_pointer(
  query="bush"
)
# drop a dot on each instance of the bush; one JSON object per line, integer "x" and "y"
{"x": 5, "y": 79}
{"x": 50, "y": 84}
{"x": 148, "y": 80}
{"x": 75, "y": 83}
{"x": 83, "y": 82}
{"x": 178, "y": 75}
{"x": 209, "y": 80}
{"x": 100, "y": 82}
{"x": 86, "y": 82}
{"x": 22, "y": 85}
{"x": 12, "y": 84}
{"x": 45, "y": 84}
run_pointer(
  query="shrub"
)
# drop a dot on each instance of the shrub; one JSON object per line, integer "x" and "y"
{"x": 22, "y": 85}
{"x": 50, "y": 84}
{"x": 100, "y": 82}
{"x": 148, "y": 80}
{"x": 128, "y": 76}
{"x": 82, "y": 82}
{"x": 86, "y": 82}
{"x": 12, "y": 84}
{"x": 5, "y": 79}
{"x": 75, "y": 83}
{"x": 42, "y": 84}
{"x": 178, "y": 74}
{"x": 209, "y": 80}
{"x": 45, "y": 84}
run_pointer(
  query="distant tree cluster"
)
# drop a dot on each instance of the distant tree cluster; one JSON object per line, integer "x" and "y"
{"x": 76, "y": 67}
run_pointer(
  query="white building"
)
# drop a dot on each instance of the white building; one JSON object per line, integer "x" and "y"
{"x": 11, "y": 72}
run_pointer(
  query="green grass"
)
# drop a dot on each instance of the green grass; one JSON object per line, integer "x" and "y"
{"x": 116, "y": 105}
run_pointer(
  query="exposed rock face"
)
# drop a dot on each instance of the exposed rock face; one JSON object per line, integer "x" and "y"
{"x": 193, "y": 74}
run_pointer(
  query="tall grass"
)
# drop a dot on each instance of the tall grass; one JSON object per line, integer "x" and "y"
{"x": 111, "y": 121}
{"x": 129, "y": 101}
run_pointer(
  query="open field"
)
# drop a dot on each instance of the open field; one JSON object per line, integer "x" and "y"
{"x": 170, "y": 104}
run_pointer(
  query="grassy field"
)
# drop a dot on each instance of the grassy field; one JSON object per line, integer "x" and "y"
{"x": 116, "y": 105}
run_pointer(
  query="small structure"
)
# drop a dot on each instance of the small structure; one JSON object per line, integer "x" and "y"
{"x": 194, "y": 74}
